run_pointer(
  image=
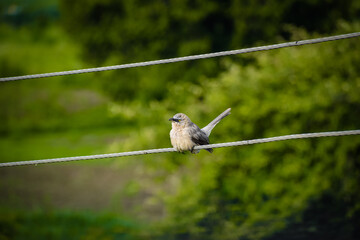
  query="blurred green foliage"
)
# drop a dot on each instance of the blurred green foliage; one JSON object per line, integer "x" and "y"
{"x": 114, "y": 32}
{"x": 254, "y": 191}
{"x": 57, "y": 105}
{"x": 34, "y": 12}
{"x": 303, "y": 189}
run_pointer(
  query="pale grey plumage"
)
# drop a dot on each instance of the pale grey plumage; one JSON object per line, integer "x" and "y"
{"x": 185, "y": 134}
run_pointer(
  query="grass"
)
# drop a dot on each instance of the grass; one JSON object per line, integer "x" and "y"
{"x": 55, "y": 225}
{"x": 47, "y": 49}
{"x": 60, "y": 144}
{"x": 51, "y": 118}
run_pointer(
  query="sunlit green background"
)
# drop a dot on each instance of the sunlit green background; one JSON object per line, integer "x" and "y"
{"x": 300, "y": 189}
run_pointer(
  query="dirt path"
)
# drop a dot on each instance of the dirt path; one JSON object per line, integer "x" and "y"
{"x": 73, "y": 187}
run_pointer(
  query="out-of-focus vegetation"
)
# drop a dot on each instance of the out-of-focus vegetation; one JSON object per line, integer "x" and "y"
{"x": 63, "y": 225}
{"x": 114, "y": 32}
{"x": 303, "y": 189}
{"x": 255, "y": 191}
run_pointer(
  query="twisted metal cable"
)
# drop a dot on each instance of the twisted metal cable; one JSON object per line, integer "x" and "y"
{"x": 187, "y": 58}
{"x": 165, "y": 150}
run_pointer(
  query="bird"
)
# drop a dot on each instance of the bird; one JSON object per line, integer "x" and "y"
{"x": 185, "y": 135}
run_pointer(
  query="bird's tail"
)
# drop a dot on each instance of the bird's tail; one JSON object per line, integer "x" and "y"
{"x": 213, "y": 123}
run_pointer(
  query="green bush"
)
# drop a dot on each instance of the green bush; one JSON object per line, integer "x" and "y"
{"x": 255, "y": 191}
{"x": 118, "y": 32}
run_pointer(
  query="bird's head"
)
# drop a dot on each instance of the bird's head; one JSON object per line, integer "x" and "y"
{"x": 179, "y": 119}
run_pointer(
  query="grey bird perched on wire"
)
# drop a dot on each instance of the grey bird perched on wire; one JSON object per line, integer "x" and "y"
{"x": 185, "y": 134}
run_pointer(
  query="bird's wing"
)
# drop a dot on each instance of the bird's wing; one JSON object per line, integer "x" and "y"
{"x": 198, "y": 136}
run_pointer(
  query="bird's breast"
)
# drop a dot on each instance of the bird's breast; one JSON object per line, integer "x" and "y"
{"x": 181, "y": 139}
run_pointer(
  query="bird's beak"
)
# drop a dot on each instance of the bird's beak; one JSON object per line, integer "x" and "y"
{"x": 174, "y": 119}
